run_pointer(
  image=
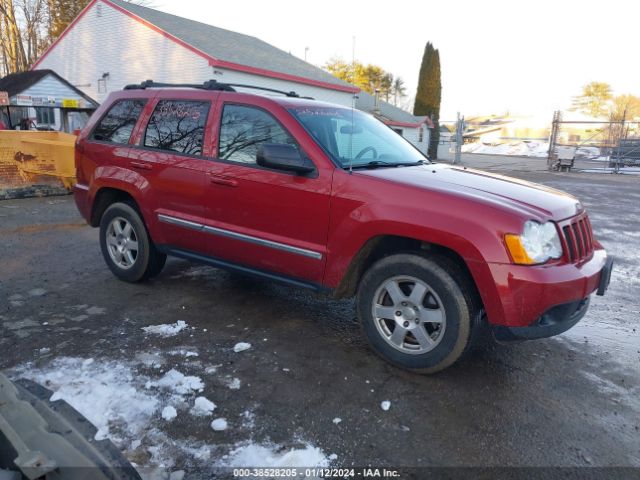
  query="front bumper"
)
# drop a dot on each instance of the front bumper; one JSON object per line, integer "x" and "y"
{"x": 526, "y": 293}
{"x": 558, "y": 318}
{"x": 553, "y": 322}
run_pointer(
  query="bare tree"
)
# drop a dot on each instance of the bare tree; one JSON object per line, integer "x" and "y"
{"x": 34, "y": 16}
{"x": 12, "y": 46}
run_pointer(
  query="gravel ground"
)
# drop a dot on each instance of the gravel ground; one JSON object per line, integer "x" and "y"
{"x": 65, "y": 320}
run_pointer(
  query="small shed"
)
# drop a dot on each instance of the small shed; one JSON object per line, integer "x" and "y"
{"x": 42, "y": 100}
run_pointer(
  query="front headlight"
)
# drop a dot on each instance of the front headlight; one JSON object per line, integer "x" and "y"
{"x": 536, "y": 244}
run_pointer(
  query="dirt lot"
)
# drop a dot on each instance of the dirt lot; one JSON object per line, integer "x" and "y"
{"x": 65, "y": 320}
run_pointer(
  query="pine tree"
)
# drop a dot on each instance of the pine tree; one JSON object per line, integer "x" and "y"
{"x": 429, "y": 93}
{"x": 62, "y": 13}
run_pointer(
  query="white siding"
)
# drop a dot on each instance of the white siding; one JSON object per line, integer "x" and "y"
{"x": 412, "y": 135}
{"x": 106, "y": 40}
{"x": 324, "y": 94}
{"x": 50, "y": 86}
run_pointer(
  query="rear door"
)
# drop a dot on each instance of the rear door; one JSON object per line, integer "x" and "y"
{"x": 172, "y": 152}
{"x": 271, "y": 220}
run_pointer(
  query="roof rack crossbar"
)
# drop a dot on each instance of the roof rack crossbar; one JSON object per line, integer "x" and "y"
{"x": 210, "y": 85}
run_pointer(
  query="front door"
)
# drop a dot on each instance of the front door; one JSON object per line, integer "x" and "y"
{"x": 270, "y": 220}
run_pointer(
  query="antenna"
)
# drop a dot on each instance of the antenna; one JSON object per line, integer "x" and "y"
{"x": 353, "y": 101}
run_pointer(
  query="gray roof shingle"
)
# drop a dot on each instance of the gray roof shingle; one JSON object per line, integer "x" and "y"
{"x": 366, "y": 102}
{"x": 231, "y": 46}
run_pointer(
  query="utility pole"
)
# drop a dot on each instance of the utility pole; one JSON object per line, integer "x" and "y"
{"x": 553, "y": 138}
{"x": 459, "y": 139}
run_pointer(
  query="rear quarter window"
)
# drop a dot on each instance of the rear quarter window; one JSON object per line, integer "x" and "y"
{"x": 116, "y": 126}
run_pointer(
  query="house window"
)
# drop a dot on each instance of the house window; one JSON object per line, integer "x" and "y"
{"x": 178, "y": 125}
{"x": 45, "y": 116}
{"x": 421, "y": 135}
{"x": 398, "y": 131}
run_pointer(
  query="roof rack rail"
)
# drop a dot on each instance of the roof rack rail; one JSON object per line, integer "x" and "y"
{"x": 210, "y": 85}
{"x": 265, "y": 89}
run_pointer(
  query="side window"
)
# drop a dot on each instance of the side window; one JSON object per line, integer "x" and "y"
{"x": 116, "y": 126}
{"x": 244, "y": 129}
{"x": 177, "y": 125}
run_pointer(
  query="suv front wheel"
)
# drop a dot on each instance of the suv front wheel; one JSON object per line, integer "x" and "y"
{"x": 126, "y": 246}
{"x": 416, "y": 312}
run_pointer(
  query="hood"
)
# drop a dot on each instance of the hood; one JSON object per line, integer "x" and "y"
{"x": 527, "y": 197}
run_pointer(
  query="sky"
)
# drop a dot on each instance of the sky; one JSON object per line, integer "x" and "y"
{"x": 497, "y": 56}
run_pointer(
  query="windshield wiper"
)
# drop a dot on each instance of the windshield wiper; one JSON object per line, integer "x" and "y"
{"x": 382, "y": 163}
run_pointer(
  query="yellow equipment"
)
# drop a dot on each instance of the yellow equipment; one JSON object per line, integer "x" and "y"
{"x": 33, "y": 157}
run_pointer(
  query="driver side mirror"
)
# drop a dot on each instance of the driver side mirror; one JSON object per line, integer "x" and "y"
{"x": 283, "y": 157}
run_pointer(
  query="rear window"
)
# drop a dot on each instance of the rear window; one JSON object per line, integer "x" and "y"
{"x": 178, "y": 126}
{"x": 116, "y": 126}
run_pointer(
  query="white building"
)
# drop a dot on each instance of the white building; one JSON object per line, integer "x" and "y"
{"x": 114, "y": 43}
{"x": 41, "y": 99}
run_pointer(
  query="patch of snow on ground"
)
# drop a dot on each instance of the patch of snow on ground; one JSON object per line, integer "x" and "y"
{"x": 386, "y": 405}
{"x": 337, "y": 420}
{"x": 169, "y": 413}
{"x": 255, "y": 455}
{"x": 219, "y": 424}
{"x": 241, "y": 347}
{"x": 202, "y": 407}
{"x": 167, "y": 329}
{"x": 233, "y": 383}
{"x": 104, "y": 392}
{"x": 177, "y": 382}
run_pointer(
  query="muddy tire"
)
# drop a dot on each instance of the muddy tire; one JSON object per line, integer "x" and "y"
{"x": 418, "y": 313}
{"x": 126, "y": 245}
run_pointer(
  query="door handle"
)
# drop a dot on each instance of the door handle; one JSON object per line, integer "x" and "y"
{"x": 141, "y": 166}
{"x": 227, "y": 182}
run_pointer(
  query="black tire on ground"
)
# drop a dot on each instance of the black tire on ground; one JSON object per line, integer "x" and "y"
{"x": 456, "y": 295}
{"x": 148, "y": 261}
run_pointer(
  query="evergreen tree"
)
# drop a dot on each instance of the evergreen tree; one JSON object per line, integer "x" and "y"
{"x": 429, "y": 93}
{"x": 62, "y": 13}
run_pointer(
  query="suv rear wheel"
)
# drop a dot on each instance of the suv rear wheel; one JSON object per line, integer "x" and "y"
{"x": 416, "y": 312}
{"x": 126, "y": 246}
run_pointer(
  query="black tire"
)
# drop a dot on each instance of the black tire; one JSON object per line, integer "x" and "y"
{"x": 456, "y": 298}
{"x": 148, "y": 261}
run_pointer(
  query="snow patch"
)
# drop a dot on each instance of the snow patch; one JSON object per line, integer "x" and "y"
{"x": 337, "y": 420}
{"x": 256, "y": 455}
{"x": 241, "y": 347}
{"x": 177, "y": 382}
{"x": 169, "y": 413}
{"x": 202, "y": 407}
{"x": 386, "y": 405}
{"x": 104, "y": 392}
{"x": 233, "y": 383}
{"x": 219, "y": 424}
{"x": 167, "y": 329}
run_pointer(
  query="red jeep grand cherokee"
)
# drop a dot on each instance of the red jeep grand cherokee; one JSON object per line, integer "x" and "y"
{"x": 321, "y": 196}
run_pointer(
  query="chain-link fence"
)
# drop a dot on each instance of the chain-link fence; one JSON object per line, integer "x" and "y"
{"x": 600, "y": 145}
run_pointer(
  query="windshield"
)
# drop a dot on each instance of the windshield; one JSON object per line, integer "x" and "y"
{"x": 363, "y": 141}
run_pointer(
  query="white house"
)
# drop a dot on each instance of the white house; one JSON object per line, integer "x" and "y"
{"x": 114, "y": 43}
{"x": 42, "y": 99}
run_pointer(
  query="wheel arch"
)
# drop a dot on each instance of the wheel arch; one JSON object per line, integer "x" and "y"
{"x": 106, "y": 196}
{"x": 381, "y": 246}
